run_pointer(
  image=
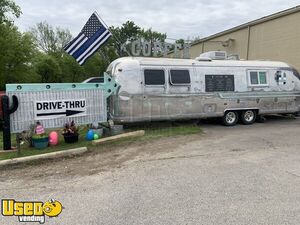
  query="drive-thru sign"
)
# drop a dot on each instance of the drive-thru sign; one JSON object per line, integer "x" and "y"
{"x": 55, "y": 104}
{"x": 59, "y": 108}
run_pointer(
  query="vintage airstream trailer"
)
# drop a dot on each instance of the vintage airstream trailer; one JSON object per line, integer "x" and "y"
{"x": 169, "y": 89}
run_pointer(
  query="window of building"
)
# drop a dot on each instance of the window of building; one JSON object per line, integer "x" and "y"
{"x": 180, "y": 77}
{"x": 154, "y": 77}
{"x": 258, "y": 78}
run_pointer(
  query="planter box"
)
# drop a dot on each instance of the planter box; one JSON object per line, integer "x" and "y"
{"x": 114, "y": 130}
{"x": 98, "y": 131}
{"x": 71, "y": 138}
{"x": 40, "y": 143}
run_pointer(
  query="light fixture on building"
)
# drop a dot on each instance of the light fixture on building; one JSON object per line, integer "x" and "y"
{"x": 227, "y": 43}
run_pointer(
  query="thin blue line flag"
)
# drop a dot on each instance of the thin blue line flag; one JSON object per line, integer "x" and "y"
{"x": 93, "y": 35}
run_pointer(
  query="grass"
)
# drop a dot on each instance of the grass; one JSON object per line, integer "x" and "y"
{"x": 166, "y": 129}
{"x": 152, "y": 131}
{"x": 28, "y": 151}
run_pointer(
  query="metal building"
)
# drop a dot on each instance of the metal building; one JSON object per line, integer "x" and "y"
{"x": 273, "y": 37}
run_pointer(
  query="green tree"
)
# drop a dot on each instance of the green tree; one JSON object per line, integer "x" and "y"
{"x": 48, "y": 68}
{"x": 8, "y": 7}
{"x": 124, "y": 35}
{"x": 50, "y": 40}
{"x": 54, "y": 65}
{"x": 17, "y": 52}
{"x": 17, "y": 49}
{"x": 180, "y": 41}
{"x": 95, "y": 66}
{"x": 152, "y": 36}
{"x": 71, "y": 70}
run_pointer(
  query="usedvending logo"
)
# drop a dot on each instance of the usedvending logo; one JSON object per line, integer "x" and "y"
{"x": 31, "y": 211}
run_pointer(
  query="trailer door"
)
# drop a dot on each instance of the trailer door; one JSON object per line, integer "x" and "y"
{"x": 155, "y": 84}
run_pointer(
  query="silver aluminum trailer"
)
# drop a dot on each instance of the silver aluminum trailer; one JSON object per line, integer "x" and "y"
{"x": 169, "y": 89}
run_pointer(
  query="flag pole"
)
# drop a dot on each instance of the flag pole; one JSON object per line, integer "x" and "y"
{"x": 100, "y": 18}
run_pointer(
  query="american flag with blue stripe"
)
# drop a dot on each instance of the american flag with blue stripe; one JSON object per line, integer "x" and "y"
{"x": 93, "y": 35}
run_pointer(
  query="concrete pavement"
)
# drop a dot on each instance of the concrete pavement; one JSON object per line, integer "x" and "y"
{"x": 236, "y": 175}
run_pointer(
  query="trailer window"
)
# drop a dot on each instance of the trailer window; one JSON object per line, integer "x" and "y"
{"x": 154, "y": 77}
{"x": 258, "y": 78}
{"x": 253, "y": 78}
{"x": 220, "y": 82}
{"x": 180, "y": 77}
{"x": 296, "y": 73}
{"x": 291, "y": 68}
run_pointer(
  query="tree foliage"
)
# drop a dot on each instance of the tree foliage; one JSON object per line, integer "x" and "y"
{"x": 17, "y": 53}
{"x": 17, "y": 49}
{"x": 152, "y": 36}
{"x": 38, "y": 55}
{"x": 48, "y": 39}
{"x": 123, "y": 35}
{"x": 48, "y": 68}
{"x": 8, "y": 7}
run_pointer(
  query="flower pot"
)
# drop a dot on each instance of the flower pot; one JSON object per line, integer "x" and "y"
{"x": 40, "y": 143}
{"x": 71, "y": 138}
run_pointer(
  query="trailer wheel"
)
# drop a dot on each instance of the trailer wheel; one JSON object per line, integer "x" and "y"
{"x": 230, "y": 118}
{"x": 248, "y": 117}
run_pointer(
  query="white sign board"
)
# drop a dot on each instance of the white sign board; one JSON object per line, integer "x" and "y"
{"x": 52, "y": 109}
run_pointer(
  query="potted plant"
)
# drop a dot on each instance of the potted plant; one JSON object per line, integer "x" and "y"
{"x": 39, "y": 138}
{"x": 70, "y": 132}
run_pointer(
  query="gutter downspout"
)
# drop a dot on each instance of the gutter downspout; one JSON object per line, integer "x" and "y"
{"x": 248, "y": 43}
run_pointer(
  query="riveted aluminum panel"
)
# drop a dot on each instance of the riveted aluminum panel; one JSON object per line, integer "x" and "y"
{"x": 24, "y": 116}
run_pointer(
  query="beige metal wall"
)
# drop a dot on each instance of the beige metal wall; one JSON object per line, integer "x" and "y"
{"x": 237, "y": 46}
{"x": 277, "y": 39}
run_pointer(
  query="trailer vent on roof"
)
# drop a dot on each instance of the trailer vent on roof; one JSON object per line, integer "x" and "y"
{"x": 233, "y": 57}
{"x": 215, "y": 55}
{"x": 203, "y": 59}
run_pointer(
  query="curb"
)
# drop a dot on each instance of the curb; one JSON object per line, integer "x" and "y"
{"x": 51, "y": 155}
{"x": 119, "y": 136}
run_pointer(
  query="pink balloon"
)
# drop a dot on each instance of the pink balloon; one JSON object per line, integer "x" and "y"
{"x": 53, "y": 138}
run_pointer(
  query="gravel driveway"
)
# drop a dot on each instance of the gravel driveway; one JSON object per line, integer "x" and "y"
{"x": 228, "y": 175}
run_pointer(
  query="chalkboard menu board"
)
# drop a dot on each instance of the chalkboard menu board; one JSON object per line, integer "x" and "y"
{"x": 219, "y": 83}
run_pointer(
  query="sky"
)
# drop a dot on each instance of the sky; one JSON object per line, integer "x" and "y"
{"x": 186, "y": 19}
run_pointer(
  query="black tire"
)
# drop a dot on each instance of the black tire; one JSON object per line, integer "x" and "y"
{"x": 248, "y": 116}
{"x": 230, "y": 118}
